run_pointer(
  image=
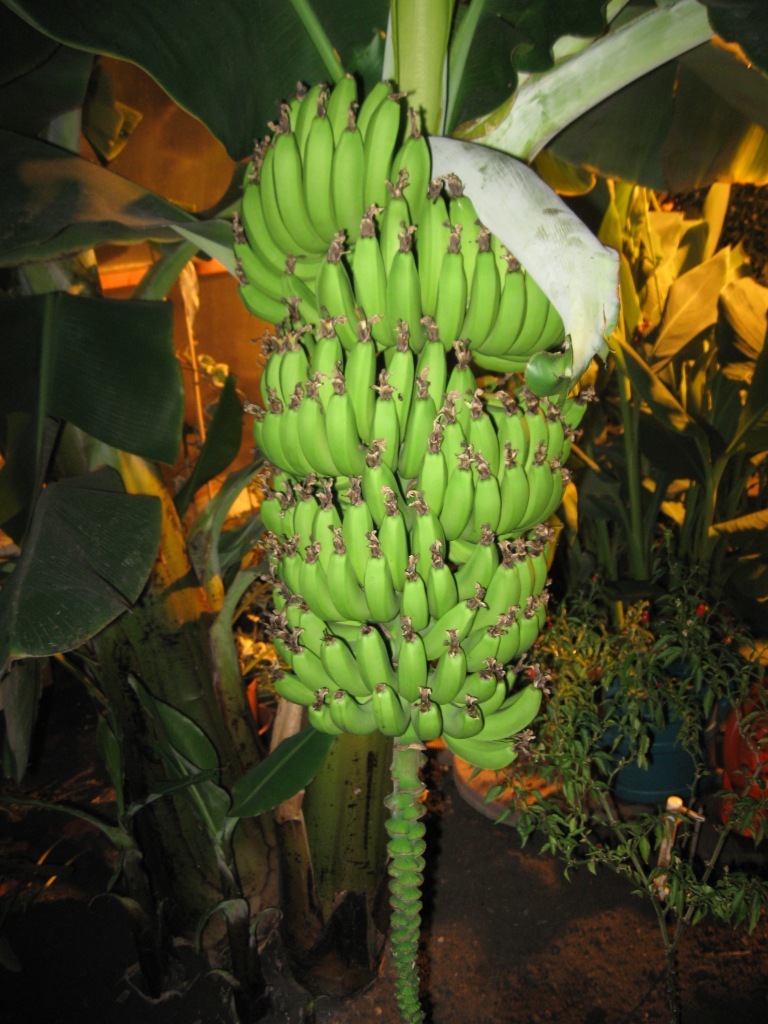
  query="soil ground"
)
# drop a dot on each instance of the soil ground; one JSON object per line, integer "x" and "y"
{"x": 506, "y": 939}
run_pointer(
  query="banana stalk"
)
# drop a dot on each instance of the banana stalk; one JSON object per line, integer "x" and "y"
{"x": 406, "y": 870}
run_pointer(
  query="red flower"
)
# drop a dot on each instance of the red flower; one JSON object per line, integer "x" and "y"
{"x": 701, "y": 609}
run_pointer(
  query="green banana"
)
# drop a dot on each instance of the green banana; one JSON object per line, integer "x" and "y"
{"x": 379, "y": 92}
{"x": 344, "y": 584}
{"x": 360, "y": 376}
{"x": 319, "y": 714}
{"x": 517, "y": 712}
{"x": 381, "y": 138}
{"x": 378, "y": 584}
{"x": 432, "y": 366}
{"x": 292, "y": 689}
{"x": 370, "y": 277}
{"x": 412, "y": 667}
{"x": 325, "y": 522}
{"x": 486, "y": 755}
{"x": 313, "y": 585}
{"x": 482, "y": 433}
{"x": 426, "y": 532}
{"x": 376, "y": 475}
{"x": 431, "y": 246}
{"x": 447, "y": 679}
{"x": 416, "y": 430}
{"x": 357, "y": 522}
{"x": 394, "y": 217}
{"x": 432, "y": 478}
{"x": 335, "y": 295}
{"x": 340, "y": 664}
{"x": 342, "y": 97}
{"x": 482, "y": 685}
{"x": 441, "y": 585}
{"x": 386, "y": 424}
{"x": 313, "y": 431}
{"x": 404, "y": 293}
{"x": 393, "y": 538}
{"x": 347, "y": 171}
{"x": 484, "y": 293}
{"x": 401, "y": 370}
{"x": 390, "y": 711}
{"x": 351, "y": 715}
{"x": 373, "y": 658}
{"x": 303, "y": 116}
{"x": 480, "y": 567}
{"x": 508, "y": 322}
{"x": 464, "y": 721}
{"x": 459, "y": 497}
{"x": 414, "y": 603}
{"x": 463, "y": 215}
{"x": 341, "y": 427}
{"x": 426, "y": 717}
{"x": 459, "y": 618}
{"x": 289, "y": 189}
{"x": 451, "y": 303}
{"x": 415, "y": 159}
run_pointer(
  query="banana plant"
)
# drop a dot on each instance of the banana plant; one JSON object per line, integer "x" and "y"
{"x": 453, "y": 48}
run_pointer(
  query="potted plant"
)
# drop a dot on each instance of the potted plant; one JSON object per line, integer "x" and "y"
{"x": 591, "y": 730}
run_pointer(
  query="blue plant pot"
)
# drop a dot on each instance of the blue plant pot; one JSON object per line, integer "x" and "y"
{"x": 670, "y": 771}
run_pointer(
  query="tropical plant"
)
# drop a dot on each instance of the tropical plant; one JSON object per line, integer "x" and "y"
{"x": 609, "y": 691}
{"x": 424, "y": 38}
{"x": 678, "y": 435}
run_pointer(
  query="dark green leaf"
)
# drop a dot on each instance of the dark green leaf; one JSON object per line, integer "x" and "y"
{"x": 742, "y": 22}
{"x": 86, "y": 558}
{"x": 718, "y": 132}
{"x": 229, "y": 63}
{"x": 38, "y": 78}
{"x": 203, "y": 541}
{"x": 21, "y": 695}
{"x": 509, "y": 36}
{"x": 624, "y": 136}
{"x": 183, "y": 734}
{"x": 106, "y": 366}
{"x": 671, "y": 450}
{"x": 289, "y": 768}
{"x": 690, "y": 122}
{"x": 222, "y": 444}
{"x": 53, "y": 203}
{"x": 752, "y": 432}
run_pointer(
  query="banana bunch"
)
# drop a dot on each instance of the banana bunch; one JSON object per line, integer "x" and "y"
{"x": 480, "y": 458}
{"x": 341, "y": 221}
{"x": 406, "y": 500}
{"x": 379, "y": 631}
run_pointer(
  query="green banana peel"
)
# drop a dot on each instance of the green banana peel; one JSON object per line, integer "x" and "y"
{"x": 579, "y": 275}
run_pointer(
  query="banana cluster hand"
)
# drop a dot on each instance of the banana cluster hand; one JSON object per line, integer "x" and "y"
{"x": 340, "y": 221}
{"x": 373, "y": 641}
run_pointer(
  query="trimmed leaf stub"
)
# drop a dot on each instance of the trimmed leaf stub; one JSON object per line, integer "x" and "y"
{"x": 579, "y": 275}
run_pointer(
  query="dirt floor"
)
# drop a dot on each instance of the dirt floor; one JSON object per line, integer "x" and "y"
{"x": 506, "y": 937}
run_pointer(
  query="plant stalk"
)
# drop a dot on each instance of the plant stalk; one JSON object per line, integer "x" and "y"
{"x": 406, "y": 871}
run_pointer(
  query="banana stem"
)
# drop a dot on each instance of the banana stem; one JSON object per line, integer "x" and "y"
{"x": 320, "y": 39}
{"x": 406, "y": 871}
{"x": 420, "y": 33}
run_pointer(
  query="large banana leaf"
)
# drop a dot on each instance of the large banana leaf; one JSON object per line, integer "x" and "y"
{"x": 107, "y": 367}
{"x": 85, "y": 559}
{"x": 39, "y": 79}
{"x": 576, "y": 272}
{"x": 53, "y": 203}
{"x": 226, "y": 63}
